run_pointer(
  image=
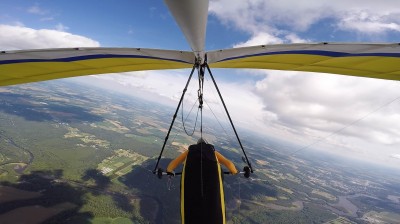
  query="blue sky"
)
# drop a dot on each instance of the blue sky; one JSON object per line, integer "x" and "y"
{"x": 297, "y": 106}
{"x": 126, "y": 24}
{"x": 149, "y": 24}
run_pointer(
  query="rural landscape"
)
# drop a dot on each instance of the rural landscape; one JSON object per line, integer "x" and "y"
{"x": 72, "y": 153}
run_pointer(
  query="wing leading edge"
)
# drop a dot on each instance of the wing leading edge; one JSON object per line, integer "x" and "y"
{"x": 380, "y": 61}
{"x": 17, "y": 67}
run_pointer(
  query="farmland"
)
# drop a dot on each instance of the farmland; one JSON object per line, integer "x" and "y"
{"x": 71, "y": 155}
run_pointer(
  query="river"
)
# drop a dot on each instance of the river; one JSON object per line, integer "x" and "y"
{"x": 18, "y": 169}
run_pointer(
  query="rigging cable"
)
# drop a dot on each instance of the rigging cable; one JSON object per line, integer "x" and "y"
{"x": 173, "y": 119}
{"x": 176, "y": 134}
{"x": 195, "y": 122}
{"x": 187, "y": 116}
{"x": 220, "y": 107}
{"x": 200, "y": 97}
{"x": 216, "y": 118}
{"x": 230, "y": 119}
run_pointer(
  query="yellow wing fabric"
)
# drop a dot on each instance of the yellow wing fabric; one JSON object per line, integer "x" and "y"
{"x": 17, "y": 67}
{"x": 366, "y": 60}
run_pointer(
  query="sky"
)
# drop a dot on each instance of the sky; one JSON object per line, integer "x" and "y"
{"x": 351, "y": 116}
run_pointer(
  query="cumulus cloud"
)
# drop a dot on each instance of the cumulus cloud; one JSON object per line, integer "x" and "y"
{"x": 254, "y": 15}
{"x": 266, "y": 38}
{"x": 366, "y": 22}
{"x": 260, "y": 38}
{"x": 321, "y": 104}
{"x": 279, "y": 17}
{"x": 294, "y": 38}
{"x": 20, "y": 37}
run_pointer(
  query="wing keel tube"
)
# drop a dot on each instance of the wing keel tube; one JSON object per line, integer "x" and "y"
{"x": 191, "y": 16}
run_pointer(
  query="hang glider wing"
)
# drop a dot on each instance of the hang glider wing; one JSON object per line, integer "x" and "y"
{"x": 17, "y": 67}
{"x": 380, "y": 61}
{"x": 191, "y": 16}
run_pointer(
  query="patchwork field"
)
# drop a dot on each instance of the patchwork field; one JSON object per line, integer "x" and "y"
{"x": 120, "y": 163}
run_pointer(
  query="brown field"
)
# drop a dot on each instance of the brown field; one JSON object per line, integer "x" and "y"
{"x": 261, "y": 162}
{"x": 12, "y": 194}
{"x": 33, "y": 214}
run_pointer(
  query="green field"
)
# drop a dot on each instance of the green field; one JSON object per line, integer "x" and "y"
{"x": 340, "y": 220}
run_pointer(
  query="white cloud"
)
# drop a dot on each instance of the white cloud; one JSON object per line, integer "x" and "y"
{"x": 323, "y": 103}
{"x": 294, "y": 38}
{"x": 366, "y": 23}
{"x": 164, "y": 83}
{"x": 255, "y": 16}
{"x": 279, "y": 17}
{"x": 260, "y": 38}
{"x": 266, "y": 38}
{"x": 36, "y": 10}
{"x": 396, "y": 156}
{"x": 164, "y": 87}
{"x": 19, "y": 37}
{"x": 61, "y": 27}
{"x": 245, "y": 106}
